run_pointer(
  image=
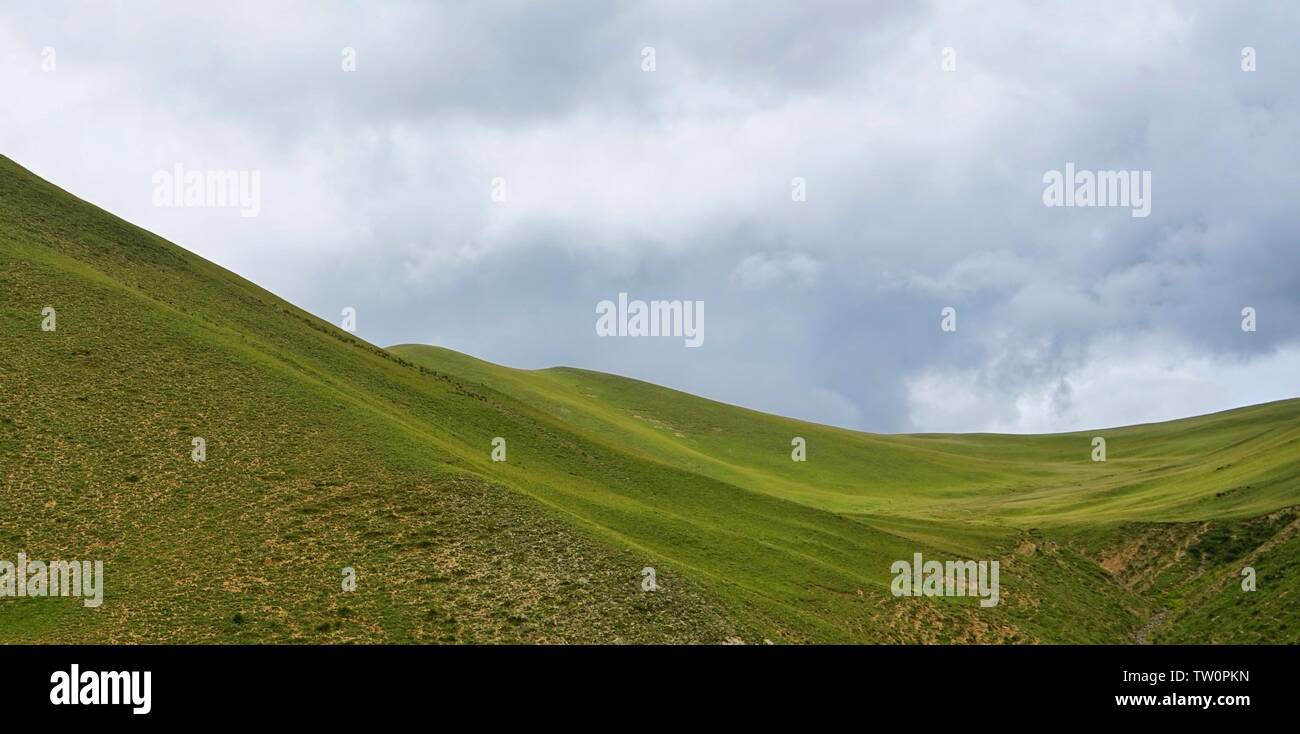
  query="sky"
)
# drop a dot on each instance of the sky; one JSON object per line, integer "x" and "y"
{"x": 826, "y": 177}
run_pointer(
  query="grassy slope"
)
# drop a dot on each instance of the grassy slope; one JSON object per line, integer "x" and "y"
{"x": 980, "y": 495}
{"x": 1170, "y": 471}
{"x": 325, "y": 451}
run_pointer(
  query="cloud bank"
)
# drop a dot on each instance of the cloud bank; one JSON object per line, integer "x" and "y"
{"x": 922, "y": 187}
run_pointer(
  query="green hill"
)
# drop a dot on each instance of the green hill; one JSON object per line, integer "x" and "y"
{"x": 326, "y": 452}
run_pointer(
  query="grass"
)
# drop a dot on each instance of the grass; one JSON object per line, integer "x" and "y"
{"x": 327, "y": 452}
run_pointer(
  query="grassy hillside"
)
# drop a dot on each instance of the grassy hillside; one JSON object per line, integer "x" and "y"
{"x": 1170, "y": 471}
{"x": 979, "y": 496}
{"x": 326, "y": 452}
{"x": 322, "y": 453}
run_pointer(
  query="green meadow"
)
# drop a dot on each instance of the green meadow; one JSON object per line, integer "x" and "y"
{"x": 325, "y": 452}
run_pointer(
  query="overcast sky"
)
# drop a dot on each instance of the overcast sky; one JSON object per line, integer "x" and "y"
{"x": 924, "y": 186}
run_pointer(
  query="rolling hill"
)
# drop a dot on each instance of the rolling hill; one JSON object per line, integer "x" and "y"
{"x": 325, "y": 452}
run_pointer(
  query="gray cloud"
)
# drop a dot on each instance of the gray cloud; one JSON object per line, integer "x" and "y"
{"x": 924, "y": 187}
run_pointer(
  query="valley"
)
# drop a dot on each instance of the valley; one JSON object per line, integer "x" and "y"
{"x": 324, "y": 452}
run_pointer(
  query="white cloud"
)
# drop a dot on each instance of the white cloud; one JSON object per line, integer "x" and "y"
{"x": 760, "y": 270}
{"x": 1122, "y": 381}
